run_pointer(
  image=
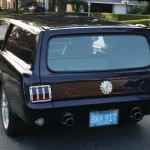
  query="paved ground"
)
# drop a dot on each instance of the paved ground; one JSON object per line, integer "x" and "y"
{"x": 123, "y": 137}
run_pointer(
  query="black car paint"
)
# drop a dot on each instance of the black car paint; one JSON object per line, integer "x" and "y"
{"x": 17, "y": 83}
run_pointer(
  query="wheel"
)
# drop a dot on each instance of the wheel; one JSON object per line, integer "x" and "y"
{"x": 11, "y": 123}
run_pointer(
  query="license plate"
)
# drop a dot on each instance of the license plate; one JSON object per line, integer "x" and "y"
{"x": 103, "y": 118}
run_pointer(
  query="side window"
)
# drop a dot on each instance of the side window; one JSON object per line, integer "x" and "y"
{"x": 22, "y": 44}
{"x": 3, "y": 29}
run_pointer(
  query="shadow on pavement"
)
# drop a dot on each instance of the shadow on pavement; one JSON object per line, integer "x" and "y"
{"x": 126, "y": 136}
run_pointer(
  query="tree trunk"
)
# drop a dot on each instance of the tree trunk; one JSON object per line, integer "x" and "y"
{"x": 53, "y": 5}
{"x": 16, "y": 6}
{"x": 77, "y": 7}
{"x": 148, "y": 8}
{"x": 61, "y": 7}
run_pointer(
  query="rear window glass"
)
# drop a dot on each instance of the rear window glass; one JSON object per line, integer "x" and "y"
{"x": 97, "y": 52}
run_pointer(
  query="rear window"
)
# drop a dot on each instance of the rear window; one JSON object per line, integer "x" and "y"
{"x": 97, "y": 52}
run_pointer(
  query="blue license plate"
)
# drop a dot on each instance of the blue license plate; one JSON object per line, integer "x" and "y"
{"x": 103, "y": 118}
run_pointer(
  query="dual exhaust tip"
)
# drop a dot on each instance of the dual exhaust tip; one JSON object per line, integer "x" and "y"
{"x": 136, "y": 114}
{"x": 68, "y": 120}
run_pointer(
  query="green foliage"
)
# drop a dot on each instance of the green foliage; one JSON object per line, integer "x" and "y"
{"x": 77, "y": 13}
{"x": 142, "y": 21}
{"x": 125, "y": 18}
{"x": 77, "y": 2}
{"x": 144, "y": 0}
{"x": 119, "y": 17}
{"x": 142, "y": 8}
{"x": 23, "y": 8}
{"x": 31, "y": 3}
{"x": 109, "y": 16}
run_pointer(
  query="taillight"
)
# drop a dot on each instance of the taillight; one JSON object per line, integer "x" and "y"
{"x": 41, "y": 93}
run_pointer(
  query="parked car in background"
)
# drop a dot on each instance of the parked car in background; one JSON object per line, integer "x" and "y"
{"x": 36, "y": 8}
{"x": 71, "y": 70}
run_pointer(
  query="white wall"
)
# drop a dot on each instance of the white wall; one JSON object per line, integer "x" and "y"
{"x": 119, "y": 9}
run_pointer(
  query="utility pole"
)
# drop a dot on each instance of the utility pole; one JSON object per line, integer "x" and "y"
{"x": 46, "y": 5}
{"x": 89, "y": 8}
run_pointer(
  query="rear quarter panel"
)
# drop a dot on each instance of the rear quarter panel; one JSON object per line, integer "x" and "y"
{"x": 16, "y": 78}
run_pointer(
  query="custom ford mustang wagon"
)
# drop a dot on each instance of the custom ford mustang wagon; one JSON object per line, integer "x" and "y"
{"x": 73, "y": 70}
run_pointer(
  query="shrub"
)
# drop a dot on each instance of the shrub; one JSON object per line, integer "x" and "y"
{"x": 141, "y": 8}
{"x": 31, "y": 3}
{"x": 142, "y": 21}
{"x": 105, "y": 15}
{"x": 120, "y": 17}
{"x": 23, "y": 8}
{"x": 1, "y": 9}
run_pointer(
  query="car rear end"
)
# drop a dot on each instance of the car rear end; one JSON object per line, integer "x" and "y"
{"x": 97, "y": 76}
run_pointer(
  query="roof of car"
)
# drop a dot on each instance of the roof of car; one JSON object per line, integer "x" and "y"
{"x": 37, "y": 23}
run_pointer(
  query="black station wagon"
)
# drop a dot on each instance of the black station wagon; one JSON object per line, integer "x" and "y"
{"x": 73, "y": 70}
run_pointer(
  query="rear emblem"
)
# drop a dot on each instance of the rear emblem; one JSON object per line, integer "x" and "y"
{"x": 106, "y": 87}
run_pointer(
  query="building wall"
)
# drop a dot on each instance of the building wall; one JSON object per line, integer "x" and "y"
{"x": 69, "y": 8}
{"x": 11, "y": 4}
{"x": 119, "y": 9}
{"x": 119, "y": 6}
{"x": 130, "y": 2}
{"x": 3, "y": 3}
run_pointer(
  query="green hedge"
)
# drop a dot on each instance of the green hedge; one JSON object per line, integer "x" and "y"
{"x": 120, "y": 17}
{"x": 142, "y": 21}
{"x": 3, "y": 15}
{"x": 109, "y": 16}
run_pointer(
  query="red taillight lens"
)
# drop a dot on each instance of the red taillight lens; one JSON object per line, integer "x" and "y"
{"x": 41, "y": 93}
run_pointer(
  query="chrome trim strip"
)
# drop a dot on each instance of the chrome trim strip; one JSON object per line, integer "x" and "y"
{"x": 43, "y": 92}
{"x": 37, "y": 93}
{"x": 50, "y": 93}
{"x": 31, "y": 93}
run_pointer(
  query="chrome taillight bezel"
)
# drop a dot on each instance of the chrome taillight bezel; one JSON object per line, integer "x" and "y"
{"x": 47, "y": 96}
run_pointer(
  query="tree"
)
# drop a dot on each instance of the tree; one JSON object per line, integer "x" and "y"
{"x": 16, "y": 6}
{"x": 61, "y": 5}
{"x": 141, "y": 8}
{"x": 143, "y": 1}
{"x": 53, "y": 5}
{"x": 148, "y": 8}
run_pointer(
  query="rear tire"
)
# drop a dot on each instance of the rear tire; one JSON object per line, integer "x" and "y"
{"x": 12, "y": 124}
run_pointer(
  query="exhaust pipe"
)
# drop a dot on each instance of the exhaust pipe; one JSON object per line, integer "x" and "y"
{"x": 136, "y": 114}
{"x": 68, "y": 120}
